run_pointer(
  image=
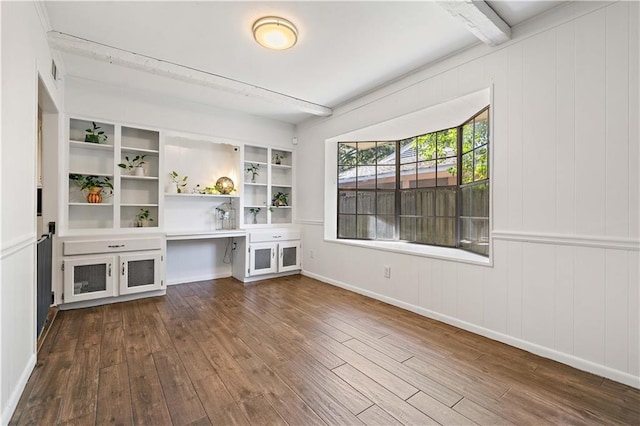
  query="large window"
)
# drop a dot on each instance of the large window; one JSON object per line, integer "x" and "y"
{"x": 429, "y": 189}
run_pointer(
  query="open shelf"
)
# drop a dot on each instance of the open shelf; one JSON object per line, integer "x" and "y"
{"x": 139, "y": 150}
{"x": 90, "y": 145}
{"x": 204, "y": 195}
{"x": 139, "y": 177}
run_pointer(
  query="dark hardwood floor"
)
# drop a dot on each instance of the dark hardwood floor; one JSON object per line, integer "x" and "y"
{"x": 296, "y": 351}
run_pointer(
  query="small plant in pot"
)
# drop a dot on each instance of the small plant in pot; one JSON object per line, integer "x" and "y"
{"x": 254, "y": 212}
{"x": 253, "y": 169}
{"x": 95, "y": 135}
{"x": 93, "y": 187}
{"x": 134, "y": 165}
{"x": 277, "y": 158}
{"x": 178, "y": 183}
{"x": 280, "y": 199}
{"x": 143, "y": 218}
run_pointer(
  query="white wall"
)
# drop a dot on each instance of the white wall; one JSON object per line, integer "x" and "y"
{"x": 24, "y": 54}
{"x": 565, "y": 279}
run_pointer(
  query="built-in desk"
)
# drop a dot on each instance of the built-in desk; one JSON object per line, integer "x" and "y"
{"x": 204, "y": 235}
{"x": 194, "y": 255}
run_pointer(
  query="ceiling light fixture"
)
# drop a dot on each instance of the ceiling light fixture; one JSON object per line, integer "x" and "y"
{"x": 275, "y": 33}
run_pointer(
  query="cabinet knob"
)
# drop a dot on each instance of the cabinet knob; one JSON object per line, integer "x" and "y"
{"x": 115, "y": 245}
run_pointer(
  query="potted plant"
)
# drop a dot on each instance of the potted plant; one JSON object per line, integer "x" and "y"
{"x": 254, "y": 212}
{"x": 253, "y": 169}
{"x": 93, "y": 186}
{"x": 178, "y": 184}
{"x": 95, "y": 135}
{"x": 277, "y": 158}
{"x": 134, "y": 166}
{"x": 280, "y": 199}
{"x": 142, "y": 218}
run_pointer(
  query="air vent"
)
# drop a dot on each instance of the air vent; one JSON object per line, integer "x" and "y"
{"x": 54, "y": 70}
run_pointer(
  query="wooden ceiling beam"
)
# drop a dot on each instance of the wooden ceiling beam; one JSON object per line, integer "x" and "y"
{"x": 89, "y": 49}
{"x": 479, "y": 19}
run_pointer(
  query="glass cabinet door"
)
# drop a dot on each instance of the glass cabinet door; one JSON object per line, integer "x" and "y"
{"x": 262, "y": 258}
{"x": 289, "y": 256}
{"x": 140, "y": 272}
{"x": 88, "y": 278}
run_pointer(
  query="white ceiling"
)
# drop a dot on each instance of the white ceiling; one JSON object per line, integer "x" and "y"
{"x": 345, "y": 49}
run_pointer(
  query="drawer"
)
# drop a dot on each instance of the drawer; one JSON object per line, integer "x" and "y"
{"x": 71, "y": 248}
{"x": 268, "y": 235}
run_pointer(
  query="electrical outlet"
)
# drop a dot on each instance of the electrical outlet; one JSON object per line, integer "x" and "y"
{"x": 387, "y": 271}
{"x": 311, "y": 254}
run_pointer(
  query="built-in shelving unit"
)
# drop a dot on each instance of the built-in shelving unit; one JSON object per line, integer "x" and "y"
{"x": 275, "y": 175}
{"x": 131, "y": 193}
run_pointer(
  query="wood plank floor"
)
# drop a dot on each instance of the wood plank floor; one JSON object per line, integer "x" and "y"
{"x": 296, "y": 351}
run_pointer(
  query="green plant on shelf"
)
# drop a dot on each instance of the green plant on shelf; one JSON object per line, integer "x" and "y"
{"x": 277, "y": 158}
{"x": 95, "y": 135}
{"x": 253, "y": 169}
{"x": 131, "y": 164}
{"x": 143, "y": 218}
{"x": 280, "y": 199}
{"x": 254, "y": 212}
{"x": 86, "y": 182}
{"x": 180, "y": 183}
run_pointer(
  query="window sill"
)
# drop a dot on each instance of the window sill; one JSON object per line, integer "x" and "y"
{"x": 443, "y": 253}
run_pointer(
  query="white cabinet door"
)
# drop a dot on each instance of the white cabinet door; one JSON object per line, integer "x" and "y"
{"x": 88, "y": 278}
{"x": 262, "y": 258}
{"x": 140, "y": 272}
{"x": 289, "y": 256}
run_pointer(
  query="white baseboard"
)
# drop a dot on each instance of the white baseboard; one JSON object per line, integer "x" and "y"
{"x": 571, "y": 360}
{"x": 109, "y": 300}
{"x": 12, "y": 402}
{"x": 184, "y": 280}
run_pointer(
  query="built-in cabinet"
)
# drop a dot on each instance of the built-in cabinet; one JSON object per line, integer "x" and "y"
{"x": 132, "y": 190}
{"x": 267, "y": 251}
{"x": 273, "y": 176}
{"x": 100, "y": 268}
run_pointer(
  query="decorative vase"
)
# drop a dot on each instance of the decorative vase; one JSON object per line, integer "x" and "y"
{"x": 138, "y": 171}
{"x": 172, "y": 188}
{"x": 95, "y": 195}
{"x": 253, "y": 179}
{"x": 255, "y": 220}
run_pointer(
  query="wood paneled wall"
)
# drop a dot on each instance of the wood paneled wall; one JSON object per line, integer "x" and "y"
{"x": 565, "y": 186}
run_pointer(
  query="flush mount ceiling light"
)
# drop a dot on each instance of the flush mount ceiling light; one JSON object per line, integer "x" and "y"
{"x": 275, "y": 33}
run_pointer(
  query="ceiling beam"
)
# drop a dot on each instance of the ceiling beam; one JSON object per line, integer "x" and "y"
{"x": 89, "y": 49}
{"x": 480, "y": 19}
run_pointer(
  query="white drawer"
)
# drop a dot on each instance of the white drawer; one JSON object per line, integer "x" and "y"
{"x": 268, "y": 235}
{"x": 71, "y": 248}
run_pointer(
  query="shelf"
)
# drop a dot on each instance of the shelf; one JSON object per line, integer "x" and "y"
{"x": 255, "y": 184}
{"x": 280, "y": 166}
{"x": 281, "y": 207}
{"x": 200, "y": 235}
{"x": 144, "y": 151}
{"x": 204, "y": 195}
{"x": 138, "y": 205}
{"x": 91, "y": 204}
{"x": 109, "y": 175}
{"x": 139, "y": 177}
{"x": 278, "y": 185}
{"x": 256, "y": 206}
{"x": 90, "y": 145}
{"x": 261, "y": 163}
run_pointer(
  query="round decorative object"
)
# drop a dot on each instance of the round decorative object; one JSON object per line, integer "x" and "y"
{"x": 225, "y": 185}
{"x": 95, "y": 195}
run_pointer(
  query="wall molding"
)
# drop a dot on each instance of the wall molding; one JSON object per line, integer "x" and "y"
{"x": 543, "y": 351}
{"x": 14, "y": 246}
{"x": 568, "y": 240}
{"x": 12, "y": 402}
{"x": 310, "y": 222}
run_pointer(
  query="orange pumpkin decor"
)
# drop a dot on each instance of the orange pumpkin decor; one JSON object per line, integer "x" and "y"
{"x": 95, "y": 195}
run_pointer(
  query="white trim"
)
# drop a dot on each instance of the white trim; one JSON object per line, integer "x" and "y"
{"x": 109, "y": 300}
{"x": 17, "y": 244}
{"x": 568, "y": 359}
{"x": 12, "y": 402}
{"x": 422, "y": 250}
{"x": 568, "y": 240}
{"x": 185, "y": 280}
{"x": 310, "y": 222}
